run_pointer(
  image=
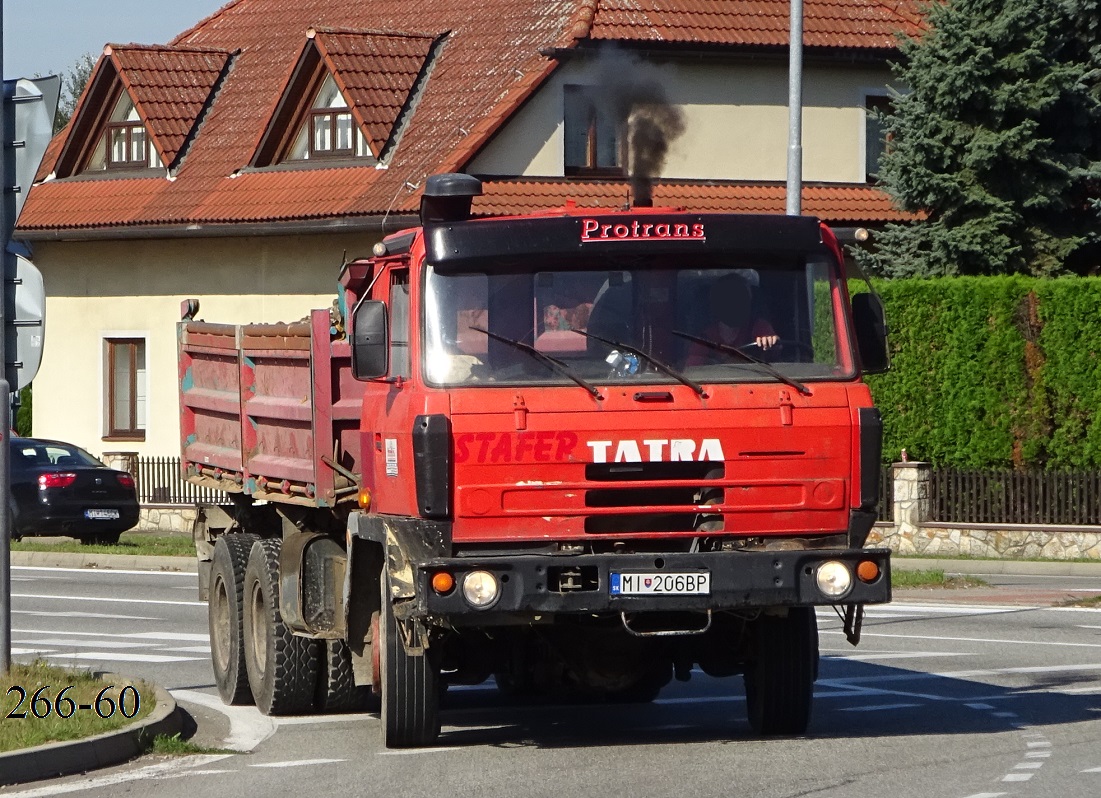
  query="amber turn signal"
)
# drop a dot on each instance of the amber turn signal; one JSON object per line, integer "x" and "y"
{"x": 443, "y": 582}
{"x": 867, "y": 571}
{"x": 364, "y": 499}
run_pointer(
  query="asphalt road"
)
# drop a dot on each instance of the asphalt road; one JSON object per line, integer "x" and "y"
{"x": 947, "y": 698}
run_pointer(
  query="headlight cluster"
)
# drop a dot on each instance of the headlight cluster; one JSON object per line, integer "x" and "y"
{"x": 480, "y": 589}
{"x": 835, "y": 578}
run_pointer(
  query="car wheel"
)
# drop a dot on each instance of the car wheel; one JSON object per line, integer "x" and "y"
{"x": 410, "y": 707}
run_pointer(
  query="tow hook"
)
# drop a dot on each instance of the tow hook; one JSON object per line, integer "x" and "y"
{"x": 664, "y": 632}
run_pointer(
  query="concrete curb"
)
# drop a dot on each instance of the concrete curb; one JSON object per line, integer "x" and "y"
{"x": 952, "y": 565}
{"x": 76, "y": 756}
{"x": 133, "y": 562}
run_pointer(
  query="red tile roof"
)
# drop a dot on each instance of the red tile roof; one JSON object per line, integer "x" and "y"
{"x": 169, "y": 87}
{"x": 836, "y": 204}
{"x": 375, "y": 72}
{"x": 863, "y": 24}
{"x": 490, "y": 59}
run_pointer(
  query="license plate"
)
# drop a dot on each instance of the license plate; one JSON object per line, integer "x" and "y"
{"x": 682, "y": 584}
{"x": 102, "y": 515}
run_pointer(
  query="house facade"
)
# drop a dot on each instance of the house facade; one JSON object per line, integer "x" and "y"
{"x": 244, "y": 161}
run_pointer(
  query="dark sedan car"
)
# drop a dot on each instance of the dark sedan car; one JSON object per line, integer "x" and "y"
{"x": 60, "y": 489}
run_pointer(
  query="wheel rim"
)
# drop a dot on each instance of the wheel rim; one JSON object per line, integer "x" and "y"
{"x": 258, "y": 638}
{"x": 219, "y": 612}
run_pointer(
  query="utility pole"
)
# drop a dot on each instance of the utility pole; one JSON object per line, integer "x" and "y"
{"x": 795, "y": 111}
{"x": 26, "y": 126}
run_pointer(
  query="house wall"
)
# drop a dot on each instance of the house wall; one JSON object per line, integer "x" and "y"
{"x": 736, "y": 122}
{"x": 134, "y": 289}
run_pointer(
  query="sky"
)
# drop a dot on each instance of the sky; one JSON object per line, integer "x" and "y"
{"x": 46, "y": 37}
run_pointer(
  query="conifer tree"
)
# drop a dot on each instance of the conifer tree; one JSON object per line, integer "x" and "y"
{"x": 995, "y": 141}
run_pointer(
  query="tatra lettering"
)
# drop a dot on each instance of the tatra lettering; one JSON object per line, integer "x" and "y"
{"x": 657, "y": 450}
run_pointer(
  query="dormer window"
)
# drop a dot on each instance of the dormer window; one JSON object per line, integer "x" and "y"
{"x": 125, "y": 142}
{"x": 329, "y": 131}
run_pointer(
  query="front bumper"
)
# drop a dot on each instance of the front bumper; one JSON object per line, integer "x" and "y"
{"x": 531, "y": 585}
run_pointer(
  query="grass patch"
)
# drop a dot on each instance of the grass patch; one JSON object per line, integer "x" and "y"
{"x": 25, "y": 722}
{"x": 1093, "y": 602}
{"x": 147, "y": 543}
{"x": 933, "y": 578}
{"x": 164, "y": 745}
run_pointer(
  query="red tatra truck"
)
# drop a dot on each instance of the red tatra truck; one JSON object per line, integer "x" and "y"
{"x": 579, "y": 452}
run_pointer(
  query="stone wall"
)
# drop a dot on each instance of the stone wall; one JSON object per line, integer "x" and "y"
{"x": 167, "y": 519}
{"x": 913, "y": 531}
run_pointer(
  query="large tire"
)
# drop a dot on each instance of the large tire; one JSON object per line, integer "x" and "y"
{"x": 337, "y": 690}
{"x": 779, "y": 682}
{"x": 282, "y": 669}
{"x": 410, "y": 687}
{"x": 227, "y": 584}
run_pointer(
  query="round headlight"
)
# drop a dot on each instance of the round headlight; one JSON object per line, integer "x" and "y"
{"x": 834, "y": 579}
{"x": 480, "y": 589}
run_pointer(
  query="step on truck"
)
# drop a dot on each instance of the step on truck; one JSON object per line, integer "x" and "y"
{"x": 579, "y": 453}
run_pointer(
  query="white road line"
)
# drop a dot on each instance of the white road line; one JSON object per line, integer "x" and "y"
{"x": 1017, "y": 776}
{"x": 25, "y": 651}
{"x": 44, "y": 614}
{"x": 1037, "y": 754}
{"x": 120, "y": 656}
{"x": 247, "y": 727}
{"x": 1045, "y": 643}
{"x": 103, "y": 571}
{"x": 411, "y": 752}
{"x": 1004, "y": 714}
{"x": 190, "y": 636}
{"x": 1091, "y": 770}
{"x": 1028, "y": 765}
{"x": 988, "y": 795}
{"x": 160, "y": 770}
{"x": 297, "y": 764}
{"x": 97, "y": 599}
{"x": 68, "y": 641}
{"x": 979, "y": 706}
{"x": 185, "y": 649}
{"x": 1039, "y": 744}
{"x": 901, "y": 655}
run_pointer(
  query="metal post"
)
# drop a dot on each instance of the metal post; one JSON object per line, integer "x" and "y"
{"x": 795, "y": 111}
{"x": 7, "y": 211}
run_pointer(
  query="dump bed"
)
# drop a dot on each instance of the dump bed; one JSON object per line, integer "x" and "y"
{"x": 270, "y": 410}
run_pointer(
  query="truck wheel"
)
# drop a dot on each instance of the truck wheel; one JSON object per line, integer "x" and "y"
{"x": 410, "y": 687}
{"x": 337, "y": 689}
{"x": 779, "y": 683}
{"x": 282, "y": 669}
{"x": 227, "y": 582}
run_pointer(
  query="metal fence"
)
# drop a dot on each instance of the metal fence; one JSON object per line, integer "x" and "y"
{"x": 886, "y": 494}
{"x": 159, "y": 482}
{"x": 1017, "y": 497}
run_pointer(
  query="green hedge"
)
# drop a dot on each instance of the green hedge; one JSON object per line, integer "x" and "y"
{"x": 993, "y": 372}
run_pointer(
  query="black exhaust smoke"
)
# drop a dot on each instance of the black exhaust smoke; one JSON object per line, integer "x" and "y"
{"x": 632, "y": 89}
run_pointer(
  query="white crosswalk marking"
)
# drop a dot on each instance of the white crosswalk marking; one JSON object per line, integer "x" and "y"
{"x": 74, "y": 646}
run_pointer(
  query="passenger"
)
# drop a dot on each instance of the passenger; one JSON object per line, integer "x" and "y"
{"x": 732, "y": 323}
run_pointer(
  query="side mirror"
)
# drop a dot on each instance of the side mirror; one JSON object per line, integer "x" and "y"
{"x": 870, "y": 324}
{"x": 370, "y": 340}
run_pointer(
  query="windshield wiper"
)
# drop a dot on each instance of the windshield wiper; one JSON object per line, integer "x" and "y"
{"x": 748, "y": 358}
{"x": 554, "y": 363}
{"x": 665, "y": 368}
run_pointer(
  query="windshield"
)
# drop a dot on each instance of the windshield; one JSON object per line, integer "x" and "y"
{"x": 553, "y": 326}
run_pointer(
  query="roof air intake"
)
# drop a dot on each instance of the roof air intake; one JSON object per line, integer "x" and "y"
{"x": 447, "y": 197}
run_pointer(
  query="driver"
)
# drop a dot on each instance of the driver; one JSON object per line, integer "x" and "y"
{"x": 732, "y": 322}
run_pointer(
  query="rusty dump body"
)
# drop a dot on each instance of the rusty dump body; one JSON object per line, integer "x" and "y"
{"x": 577, "y": 450}
{"x": 270, "y": 410}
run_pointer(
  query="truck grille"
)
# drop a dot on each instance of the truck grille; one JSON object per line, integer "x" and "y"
{"x": 671, "y": 485}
